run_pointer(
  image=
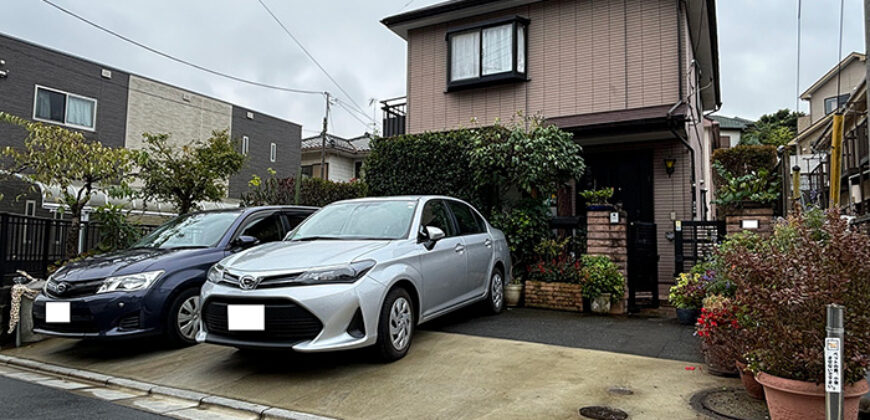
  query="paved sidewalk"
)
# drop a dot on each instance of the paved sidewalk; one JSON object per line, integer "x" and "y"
{"x": 444, "y": 376}
{"x": 643, "y": 335}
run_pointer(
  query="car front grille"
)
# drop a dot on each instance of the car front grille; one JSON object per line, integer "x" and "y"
{"x": 66, "y": 290}
{"x": 81, "y": 321}
{"x": 285, "y": 321}
{"x": 270, "y": 282}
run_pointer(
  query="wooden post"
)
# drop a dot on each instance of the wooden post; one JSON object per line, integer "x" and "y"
{"x": 836, "y": 159}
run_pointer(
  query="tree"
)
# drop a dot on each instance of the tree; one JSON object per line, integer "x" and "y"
{"x": 59, "y": 157}
{"x": 190, "y": 174}
{"x": 774, "y": 129}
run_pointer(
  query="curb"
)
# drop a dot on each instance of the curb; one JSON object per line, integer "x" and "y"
{"x": 260, "y": 410}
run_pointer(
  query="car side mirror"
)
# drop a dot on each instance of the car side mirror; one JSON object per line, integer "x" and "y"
{"x": 429, "y": 235}
{"x": 245, "y": 242}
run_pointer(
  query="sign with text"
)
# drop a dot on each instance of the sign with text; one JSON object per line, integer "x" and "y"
{"x": 833, "y": 365}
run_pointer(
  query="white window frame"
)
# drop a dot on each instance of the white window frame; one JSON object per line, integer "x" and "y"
{"x": 66, "y": 108}
{"x": 30, "y": 208}
{"x": 273, "y": 152}
{"x": 246, "y": 144}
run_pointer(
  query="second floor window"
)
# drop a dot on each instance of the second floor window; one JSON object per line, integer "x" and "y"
{"x": 491, "y": 52}
{"x": 56, "y": 106}
{"x": 835, "y": 102}
{"x": 273, "y": 152}
{"x": 246, "y": 142}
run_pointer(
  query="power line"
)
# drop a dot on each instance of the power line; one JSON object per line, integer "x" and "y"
{"x": 366, "y": 116}
{"x": 305, "y": 50}
{"x": 344, "y": 107}
{"x": 179, "y": 60}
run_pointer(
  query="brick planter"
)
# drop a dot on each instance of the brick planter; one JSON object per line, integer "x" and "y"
{"x": 610, "y": 240}
{"x": 561, "y": 296}
{"x": 758, "y": 220}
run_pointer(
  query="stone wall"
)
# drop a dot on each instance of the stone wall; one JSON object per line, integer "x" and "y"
{"x": 610, "y": 240}
{"x": 561, "y": 296}
{"x": 738, "y": 220}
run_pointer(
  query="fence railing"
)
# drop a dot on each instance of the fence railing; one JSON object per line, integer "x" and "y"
{"x": 33, "y": 243}
{"x": 694, "y": 242}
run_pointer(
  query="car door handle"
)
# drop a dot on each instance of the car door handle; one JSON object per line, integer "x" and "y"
{"x": 487, "y": 243}
{"x": 459, "y": 248}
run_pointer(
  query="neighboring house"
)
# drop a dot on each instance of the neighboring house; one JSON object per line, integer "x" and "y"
{"x": 731, "y": 130}
{"x": 343, "y": 157}
{"x": 631, "y": 79}
{"x": 117, "y": 107}
{"x": 836, "y": 90}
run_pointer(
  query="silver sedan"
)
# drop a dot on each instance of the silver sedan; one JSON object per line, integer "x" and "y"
{"x": 357, "y": 273}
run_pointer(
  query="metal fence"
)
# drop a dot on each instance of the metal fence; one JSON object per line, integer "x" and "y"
{"x": 33, "y": 243}
{"x": 694, "y": 242}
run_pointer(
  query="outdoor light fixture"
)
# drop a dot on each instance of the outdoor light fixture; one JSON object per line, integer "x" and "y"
{"x": 670, "y": 164}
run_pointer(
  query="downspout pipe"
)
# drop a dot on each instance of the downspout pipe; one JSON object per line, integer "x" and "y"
{"x": 672, "y": 126}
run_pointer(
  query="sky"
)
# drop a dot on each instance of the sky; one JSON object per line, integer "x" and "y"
{"x": 757, "y": 47}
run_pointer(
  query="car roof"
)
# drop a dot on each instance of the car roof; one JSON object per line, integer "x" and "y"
{"x": 257, "y": 208}
{"x": 403, "y": 198}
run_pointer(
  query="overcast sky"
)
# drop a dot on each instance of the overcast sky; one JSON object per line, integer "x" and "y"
{"x": 757, "y": 45}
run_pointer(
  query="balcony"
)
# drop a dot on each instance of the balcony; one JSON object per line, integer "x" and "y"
{"x": 395, "y": 112}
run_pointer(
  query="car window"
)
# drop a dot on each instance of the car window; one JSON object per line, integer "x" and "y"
{"x": 294, "y": 220}
{"x": 266, "y": 228}
{"x": 465, "y": 217}
{"x": 435, "y": 214}
{"x": 358, "y": 220}
{"x": 193, "y": 230}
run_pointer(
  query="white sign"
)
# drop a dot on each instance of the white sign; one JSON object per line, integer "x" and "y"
{"x": 679, "y": 225}
{"x": 57, "y": 312}
{"x": 614, "y": 217}
{"x": 833, "y": 367}
{"x": 749, "y": 224}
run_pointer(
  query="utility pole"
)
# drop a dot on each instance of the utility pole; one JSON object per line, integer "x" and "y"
{"x": 323, "y": 139}
{"x": 866, "y": 50}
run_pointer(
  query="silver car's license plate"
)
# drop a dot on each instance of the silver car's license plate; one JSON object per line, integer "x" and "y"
{"x": 246, "y": 317}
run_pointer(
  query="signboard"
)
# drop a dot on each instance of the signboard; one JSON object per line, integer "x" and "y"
{"x": 749, "y": 224}
{"x": 614, "y": 217}
{"x": 833, "y": 367}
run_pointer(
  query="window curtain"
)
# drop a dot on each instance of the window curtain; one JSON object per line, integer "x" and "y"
{"x": 50, "y": 105}
{"x": 80, "y": 112}
{"x": 521, "y": 48}
{"x": 465, "y": 56}
{"x": 497, "y": 49}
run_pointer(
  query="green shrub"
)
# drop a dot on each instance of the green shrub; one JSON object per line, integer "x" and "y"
{"x": 597, "y": 197}
{"x": 312, "y": 191}
{"x": 525, "y": 226}
{"x": 600, "y": 276}
{"x": 115, "y": 230}
{"x": 745, "y": 173}
{"x": 689, "y": 292}
{"x": 742, "y": 160}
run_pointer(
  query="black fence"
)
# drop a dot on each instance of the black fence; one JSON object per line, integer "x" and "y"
{"x": 32, "y": 243}
{"x": 695, "y": 241}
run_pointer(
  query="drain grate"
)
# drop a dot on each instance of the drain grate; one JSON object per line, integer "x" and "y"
{"x": 603, "y": 413}
{"x": 729, "y": 404}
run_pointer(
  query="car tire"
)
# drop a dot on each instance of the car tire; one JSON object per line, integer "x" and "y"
{"x": 183, "y": 315}
{"x": 396, "y": 326}
{"x": 494, "y": 302}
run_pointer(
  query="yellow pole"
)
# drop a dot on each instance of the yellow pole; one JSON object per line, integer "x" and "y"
{"x": 796, "y": 187}
{"x": 836, "y": 158}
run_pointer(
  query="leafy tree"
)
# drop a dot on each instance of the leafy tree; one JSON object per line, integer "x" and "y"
{"x": 59, "y": 157}
{"x": 185, "y": 176}
{"x": 774, "y": 129}
{"x": 115, "y": 229}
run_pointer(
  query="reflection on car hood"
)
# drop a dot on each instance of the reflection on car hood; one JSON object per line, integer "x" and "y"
{"x": 128, "y": 261}
{"x": 278, "y": 256}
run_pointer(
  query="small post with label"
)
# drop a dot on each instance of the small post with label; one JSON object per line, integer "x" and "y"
{"x": 834, "y": 363}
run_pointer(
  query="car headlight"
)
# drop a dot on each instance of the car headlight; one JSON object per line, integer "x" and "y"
{"x": 349, "y": 273}
{"x": 130, "y": 282}
{"x": 214, "y": 274}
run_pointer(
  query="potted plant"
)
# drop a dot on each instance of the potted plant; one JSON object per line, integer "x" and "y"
{"x": 687, "y": 296}
{"x": 784, "y": 286}
{"x": 554, "y": 281}
{"x": 597, "y": 199}
{"x": 717, "y": 327}
{"x": 513, "y": 291}
{"x": 602, "y": 282}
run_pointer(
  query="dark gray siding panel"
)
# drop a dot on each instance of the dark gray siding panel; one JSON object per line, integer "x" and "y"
{"x": 262, "y": 131}
{"x": 29, "y": 65}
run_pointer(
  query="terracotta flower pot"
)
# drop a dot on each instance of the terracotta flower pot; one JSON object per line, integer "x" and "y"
{"x": 719, "y": 360}
{"x": 789, "y": 399}
{"x": 753, "y": 388}
{"x": 512, "y": 293}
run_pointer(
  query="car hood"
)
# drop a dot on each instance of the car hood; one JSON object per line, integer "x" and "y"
{"x": 128, "y": 261}
{"x": 279, "y": 256}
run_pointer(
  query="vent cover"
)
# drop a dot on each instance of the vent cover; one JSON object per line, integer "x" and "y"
{"x": 107, "y": 74}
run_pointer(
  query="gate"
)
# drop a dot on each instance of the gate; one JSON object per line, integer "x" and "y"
{"x": 643, "y": 266}
{"x": 695, "y": 241}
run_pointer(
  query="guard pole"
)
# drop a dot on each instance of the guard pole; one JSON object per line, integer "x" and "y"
{"x": 796, "y": 188}
{"x": 836, "y": 159}
{"x": 834, "y": 363}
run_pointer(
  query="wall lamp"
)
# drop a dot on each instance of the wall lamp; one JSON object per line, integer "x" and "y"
{"x": 670, "y": 166}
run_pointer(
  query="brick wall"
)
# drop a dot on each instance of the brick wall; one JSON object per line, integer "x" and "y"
{"x": 763, "y": 216}
{"x": 561, "y": 296}
{"x": 610, "y": 240}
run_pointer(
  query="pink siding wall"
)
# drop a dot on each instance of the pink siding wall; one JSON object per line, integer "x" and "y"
{"x": 584, "y": 56}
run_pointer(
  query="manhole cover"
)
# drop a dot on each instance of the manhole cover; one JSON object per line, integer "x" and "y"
{"x": 603, "y": 413}
{"x": 729, "y": 403}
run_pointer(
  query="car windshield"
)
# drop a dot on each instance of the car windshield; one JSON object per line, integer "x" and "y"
{"x": 197, "y": 230}
{"x": 361, "y": 220}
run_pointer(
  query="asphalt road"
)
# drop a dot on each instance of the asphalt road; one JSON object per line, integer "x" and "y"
{"x": 25, "y": 400}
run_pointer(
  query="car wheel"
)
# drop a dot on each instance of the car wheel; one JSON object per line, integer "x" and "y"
{"x": 183, "y": 319}
{"x": 396, "y": 326}
{"x": 495, "y": 295}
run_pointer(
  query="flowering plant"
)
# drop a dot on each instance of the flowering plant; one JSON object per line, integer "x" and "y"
{"x": 555, "y": 264}
{"x": 718, "y": 318}
{"x": 689, "y": 292}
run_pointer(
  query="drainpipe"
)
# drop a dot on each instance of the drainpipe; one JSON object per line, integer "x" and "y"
{"x": 672, "y": 127}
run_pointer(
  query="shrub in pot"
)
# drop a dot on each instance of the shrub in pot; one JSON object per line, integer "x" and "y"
{"x": 602, "y": 281}
{"x": 597, "y": 199}
{"x": 784, "y": 285}
{"x": 687, "y": 296}
{"x": 513, "y": 291}
{"x": 718, "y": 327}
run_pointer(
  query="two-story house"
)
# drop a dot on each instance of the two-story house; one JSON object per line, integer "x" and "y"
{"x": 116, "y": 107}
{"x": 342, "y": 158}
{"x": 632, "y": 79}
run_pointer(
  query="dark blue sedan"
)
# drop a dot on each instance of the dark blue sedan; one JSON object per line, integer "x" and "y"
{"x": 153, "y": 287}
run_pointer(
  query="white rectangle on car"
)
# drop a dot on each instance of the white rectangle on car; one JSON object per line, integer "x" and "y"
{"x": 246, "y": 317}
{"x": 57, "y": 312}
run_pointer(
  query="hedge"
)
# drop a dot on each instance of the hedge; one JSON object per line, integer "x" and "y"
{"x": 312, "y": 192}
{"x": 742, "y": 160}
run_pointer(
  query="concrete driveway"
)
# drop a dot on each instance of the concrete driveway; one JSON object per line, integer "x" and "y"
{"x": 445, "y": 375}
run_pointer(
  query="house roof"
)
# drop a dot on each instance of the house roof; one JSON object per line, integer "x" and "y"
{"x": 356, "y": 145}
{"x": 732, "y": 123}
{"x": 831, "y": 73}
{"x": 701, "y": 15}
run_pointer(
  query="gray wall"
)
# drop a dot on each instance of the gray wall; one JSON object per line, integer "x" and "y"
{"x": 263, "y": 130}
{"x": 29, "y": 65}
